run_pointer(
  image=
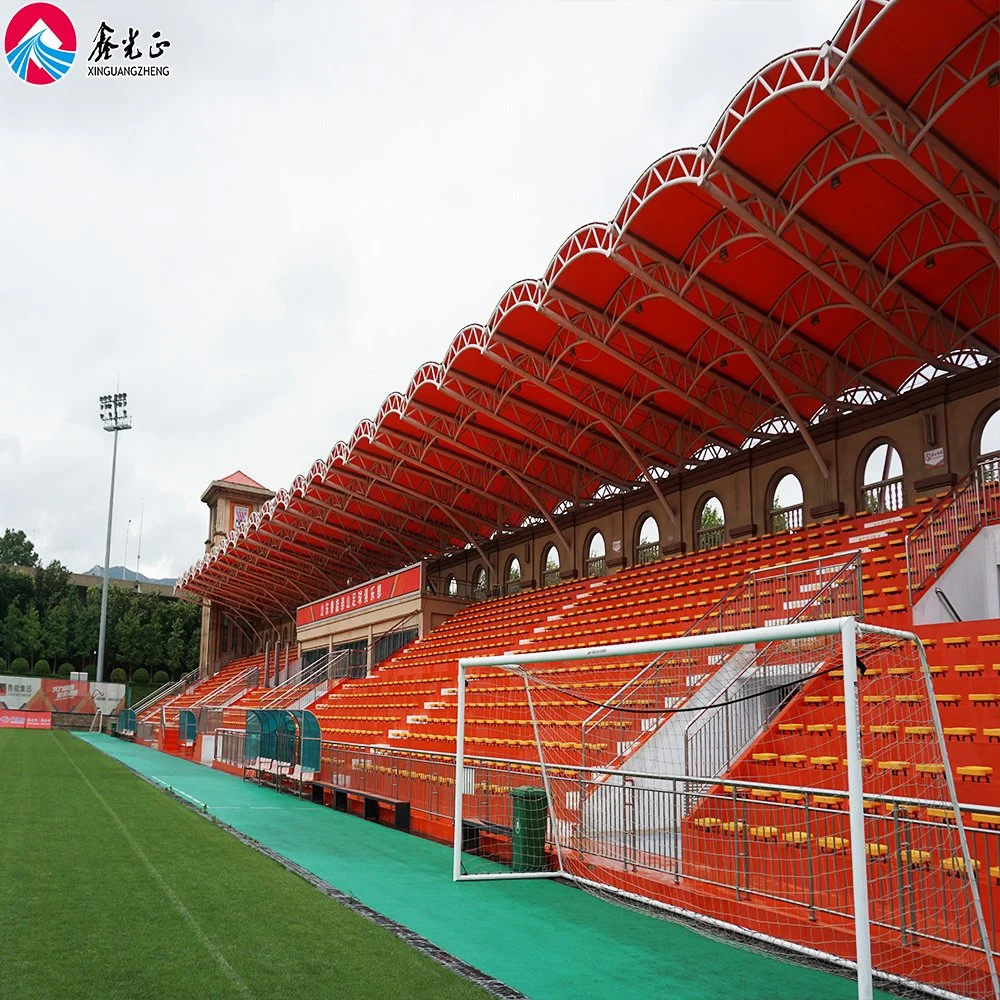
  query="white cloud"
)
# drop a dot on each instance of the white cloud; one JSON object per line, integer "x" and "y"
{"x": 266, "y": 243}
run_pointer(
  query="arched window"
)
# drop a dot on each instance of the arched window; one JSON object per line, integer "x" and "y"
{"x": 785, "y": 510}
{"x": 550, "y": 567}
{"x": 480, "y": 584}
{"x": 711, "y": 523}
{"x": 595, "y": 564}
{"x": 513, "y": 576}
{"x": 882, "y": 481}
{"x": 452, "y": 587}
{"x": 647, "y": 547}
{"x": 988, "y": 456}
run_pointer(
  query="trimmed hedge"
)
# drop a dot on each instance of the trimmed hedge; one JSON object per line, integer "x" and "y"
{"x": 65, "y": 669}
{"x": 118, "y": 676}
{"x": 160, "y": 678}
{"x": 42, "y": 668}
{"x": 140, "y": 676}
{"x": 19, "y": 665}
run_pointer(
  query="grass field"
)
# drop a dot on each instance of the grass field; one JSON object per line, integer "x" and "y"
{"x": 109, "y": 888}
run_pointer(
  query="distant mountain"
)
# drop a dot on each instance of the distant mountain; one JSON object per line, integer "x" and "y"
{"x": 121, "y": 573}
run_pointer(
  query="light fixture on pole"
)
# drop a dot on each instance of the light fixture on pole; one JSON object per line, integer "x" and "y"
{"x": 114, "y": 415}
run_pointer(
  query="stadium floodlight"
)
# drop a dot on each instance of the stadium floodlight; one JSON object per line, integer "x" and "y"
{"x": 115, "y": 417}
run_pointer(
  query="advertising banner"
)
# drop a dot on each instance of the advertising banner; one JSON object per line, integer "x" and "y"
{"x": 386, "y": 588}
{"x": 24, "y": 720}
{"x": 55, "y": 694}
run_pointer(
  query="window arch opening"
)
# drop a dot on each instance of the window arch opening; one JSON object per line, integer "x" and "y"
{"x": 711, "y": 523}
{"x": 786, "y": 509}
{"x": 550, "y": 567}
{"x": 882, "y": 484}
{"x": 647, "y": 547}
{"x": 596, "y": 563}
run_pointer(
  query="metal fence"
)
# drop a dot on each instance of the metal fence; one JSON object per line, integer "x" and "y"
{"x": 943, "y": 531}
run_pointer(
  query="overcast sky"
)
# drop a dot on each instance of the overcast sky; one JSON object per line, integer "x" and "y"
{"x": 264, "y": 244}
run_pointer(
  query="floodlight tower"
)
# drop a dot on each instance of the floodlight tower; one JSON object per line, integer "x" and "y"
{"x": 114, "y": 415}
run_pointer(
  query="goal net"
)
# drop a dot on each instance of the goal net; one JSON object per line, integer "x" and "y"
{"x": 789, "y": 786}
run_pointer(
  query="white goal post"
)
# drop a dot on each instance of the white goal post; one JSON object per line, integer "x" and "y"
{"x": 534, "y": 709}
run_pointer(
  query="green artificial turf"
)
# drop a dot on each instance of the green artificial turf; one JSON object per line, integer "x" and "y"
{"x": 548, "y": 940}
{"x": 109, "y": 888}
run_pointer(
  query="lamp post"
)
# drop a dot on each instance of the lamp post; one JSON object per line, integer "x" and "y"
{"x": 114, "y": 415}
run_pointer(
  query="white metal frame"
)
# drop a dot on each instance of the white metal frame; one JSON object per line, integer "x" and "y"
{"x": 848, "y": 629}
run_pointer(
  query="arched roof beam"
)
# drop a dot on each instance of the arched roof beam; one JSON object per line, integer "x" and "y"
{"x": 464, "y": 419}
{"x": 398, "y": 534}
{"x": 431, "y": 473}
{"x": 843, "y": 270}
{"x": 429, "y": 504}
{"x": 322, "y": 565}
{"x": 659, "y": 280}
{"x": 744, "y": 344}
{"x": 493, "y": 398}
{"x": 611, "y": 397}
{"x": 222, "y": 580}
{"x": 775, "y": 329}
{"x": 674, "y": 385}
{"x": 295, "y": 572}
{"x": 895, "y": 130}
{"x": 448, "y": 428}
{"x": 339, "y": 533}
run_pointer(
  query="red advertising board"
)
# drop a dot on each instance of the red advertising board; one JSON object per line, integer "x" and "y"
{"x": 386, "y": 588}
{"x": 10, "y": 719}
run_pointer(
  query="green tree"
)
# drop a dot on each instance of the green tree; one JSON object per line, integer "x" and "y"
{"x": 65, "y": 669}
{"x": 118, "y": 676}
{"x": 58, "y": 629}
{"x": 31, "y": 634}
{"x": 19, "y": 666}
{"x": 51, "y": 585}
{"x": 175, "y": 647}
{"x": 15, "y": 586}
{"x": 160, "y": 678}
{"x": 16, "y": 549}
{"x": 130, "y": 637}
{"x": 11, "y": 628}
{"x": 42, "y": 668}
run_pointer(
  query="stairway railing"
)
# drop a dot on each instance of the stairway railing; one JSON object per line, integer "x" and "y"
{"x": 723, "y": 729}
{"x": 944, "y": 529}
{"x": 670, "y": 679}
{"x": 179, "y": 687}
{"x": 325, "y": 669}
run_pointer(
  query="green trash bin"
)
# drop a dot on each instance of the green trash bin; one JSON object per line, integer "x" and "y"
{"x": 531, "y": 813}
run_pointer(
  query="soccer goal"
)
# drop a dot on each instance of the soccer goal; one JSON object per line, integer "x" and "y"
{"x": 789, "y": 786}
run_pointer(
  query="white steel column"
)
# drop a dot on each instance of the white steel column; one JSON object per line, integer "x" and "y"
{"x": 859, "y": 863}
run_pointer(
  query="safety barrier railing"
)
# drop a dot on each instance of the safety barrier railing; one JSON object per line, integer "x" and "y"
{"x": 943, "y": 531}
{"x": 716, "y": 736}
{"x": 229, "y": 691}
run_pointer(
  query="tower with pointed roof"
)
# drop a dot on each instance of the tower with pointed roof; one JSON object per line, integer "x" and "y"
{"x": 231, "y": 501}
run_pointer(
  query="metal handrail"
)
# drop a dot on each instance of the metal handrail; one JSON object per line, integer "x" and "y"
{"x": 744, "y": 595}
{"x": 703, "y": 719}
{"x": 178, "y": 689}
{"x": 225, "y": 691}
{"x": 945, "y": 527}
{"x": 312, "y": 675}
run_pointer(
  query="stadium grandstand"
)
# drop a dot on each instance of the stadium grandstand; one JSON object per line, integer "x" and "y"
{"x": 762, "y": 398}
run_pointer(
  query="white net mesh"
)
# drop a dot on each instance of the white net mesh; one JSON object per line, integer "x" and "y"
{"x": 714, "y": 781}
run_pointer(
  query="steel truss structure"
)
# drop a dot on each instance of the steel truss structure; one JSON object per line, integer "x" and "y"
{"x": 836, "y": 232}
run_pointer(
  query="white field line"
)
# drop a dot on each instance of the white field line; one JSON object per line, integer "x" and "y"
{"x": 206, "y": 942}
